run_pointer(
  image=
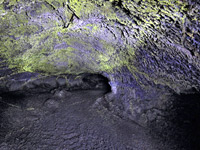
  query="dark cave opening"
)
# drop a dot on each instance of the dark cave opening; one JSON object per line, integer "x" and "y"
{"x": 181, "y": 124}
{"x": 97, "y": 81}
{"x": 85, "y": 82}
{"x": 185, "y": 119}
{"x": 20, "y": 100}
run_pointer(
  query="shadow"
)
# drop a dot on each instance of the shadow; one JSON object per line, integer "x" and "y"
{"x": 7, "y": 100}
{"x": 97, "y": 81}
{"x": 180, "y": 126}
{"x": 185, "y": 120}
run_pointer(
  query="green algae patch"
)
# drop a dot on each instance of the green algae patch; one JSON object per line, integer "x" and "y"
{"x": 11, "y": 2}
{"x": 41, "y": 56}
{"x": 81, "y": 7}
{"x": 28, "y": 39}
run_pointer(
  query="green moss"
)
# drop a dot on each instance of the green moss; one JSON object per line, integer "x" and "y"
{"x": 81, "y": 7}
{"x": 56, "y": 4}
{"x": 92, "y": 27}
{"x": 12, "y": 2}
{"x": 17, "y": 32}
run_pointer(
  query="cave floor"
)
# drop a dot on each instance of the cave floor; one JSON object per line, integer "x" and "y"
{"x": 43, "y": 122}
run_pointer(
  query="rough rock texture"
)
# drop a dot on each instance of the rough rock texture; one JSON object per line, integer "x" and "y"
{"x": 148, "y": 49}
{"x": 45, "y": 122}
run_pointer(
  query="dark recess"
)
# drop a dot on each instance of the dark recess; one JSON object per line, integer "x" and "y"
{"x": 97, "y": 81}
{"x": 18, "y": 99}
{"x": 181, "y": 124}
{"x": 8, "y": 99}
{"x": 186, "y": 120}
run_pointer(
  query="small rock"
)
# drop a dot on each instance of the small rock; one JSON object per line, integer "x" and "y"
{"x": 16, "y": 86}
{"x": 61, "y": 81}
{"x": 46, "y": 83}
{"x": 51, "y": 104}
{"x": 30, "y": 109}
{"x": 110, "y": 97}
{"x": 50, "y": 82}
{"x": 29, "y": 85}
{"x": 98, "y": 102}
{"x": 100, "y": 86}
{"x": 62, "y": 94}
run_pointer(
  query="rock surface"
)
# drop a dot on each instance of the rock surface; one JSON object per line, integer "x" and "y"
{"x": 147, "y": 49}
{"x": 40, "y": 122}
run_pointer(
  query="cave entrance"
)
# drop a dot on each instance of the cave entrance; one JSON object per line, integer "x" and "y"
{"x": 97, "y": 81}
{"x": 187, "y": 120}
{"x": 183, "y": 121}
{"x": 22, "y": 112}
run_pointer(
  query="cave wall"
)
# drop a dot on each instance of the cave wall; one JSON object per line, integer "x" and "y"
{"x": 148, "y": 49}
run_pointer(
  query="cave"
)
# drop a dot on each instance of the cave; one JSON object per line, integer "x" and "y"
{"x": 97, "y": 81}
{"x": 99, "y": 74}
{"x": 182, "y": 121}
{"x": 185, "y": 120}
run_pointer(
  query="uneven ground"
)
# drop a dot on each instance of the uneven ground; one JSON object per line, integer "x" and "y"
{"x": 146, "y": 51}
{"x": 52, "y": 122}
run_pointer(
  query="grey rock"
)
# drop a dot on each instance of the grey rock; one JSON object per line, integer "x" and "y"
{"x": 45, "y": 82}
{"x": 61, "y": 81}
{"x": 29, "y": 86}
{"x": 51, "y": 104}
{"x": 62, "y": 94}
{"x": 50, "y": 82}
{"x": 16, "y": 86}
